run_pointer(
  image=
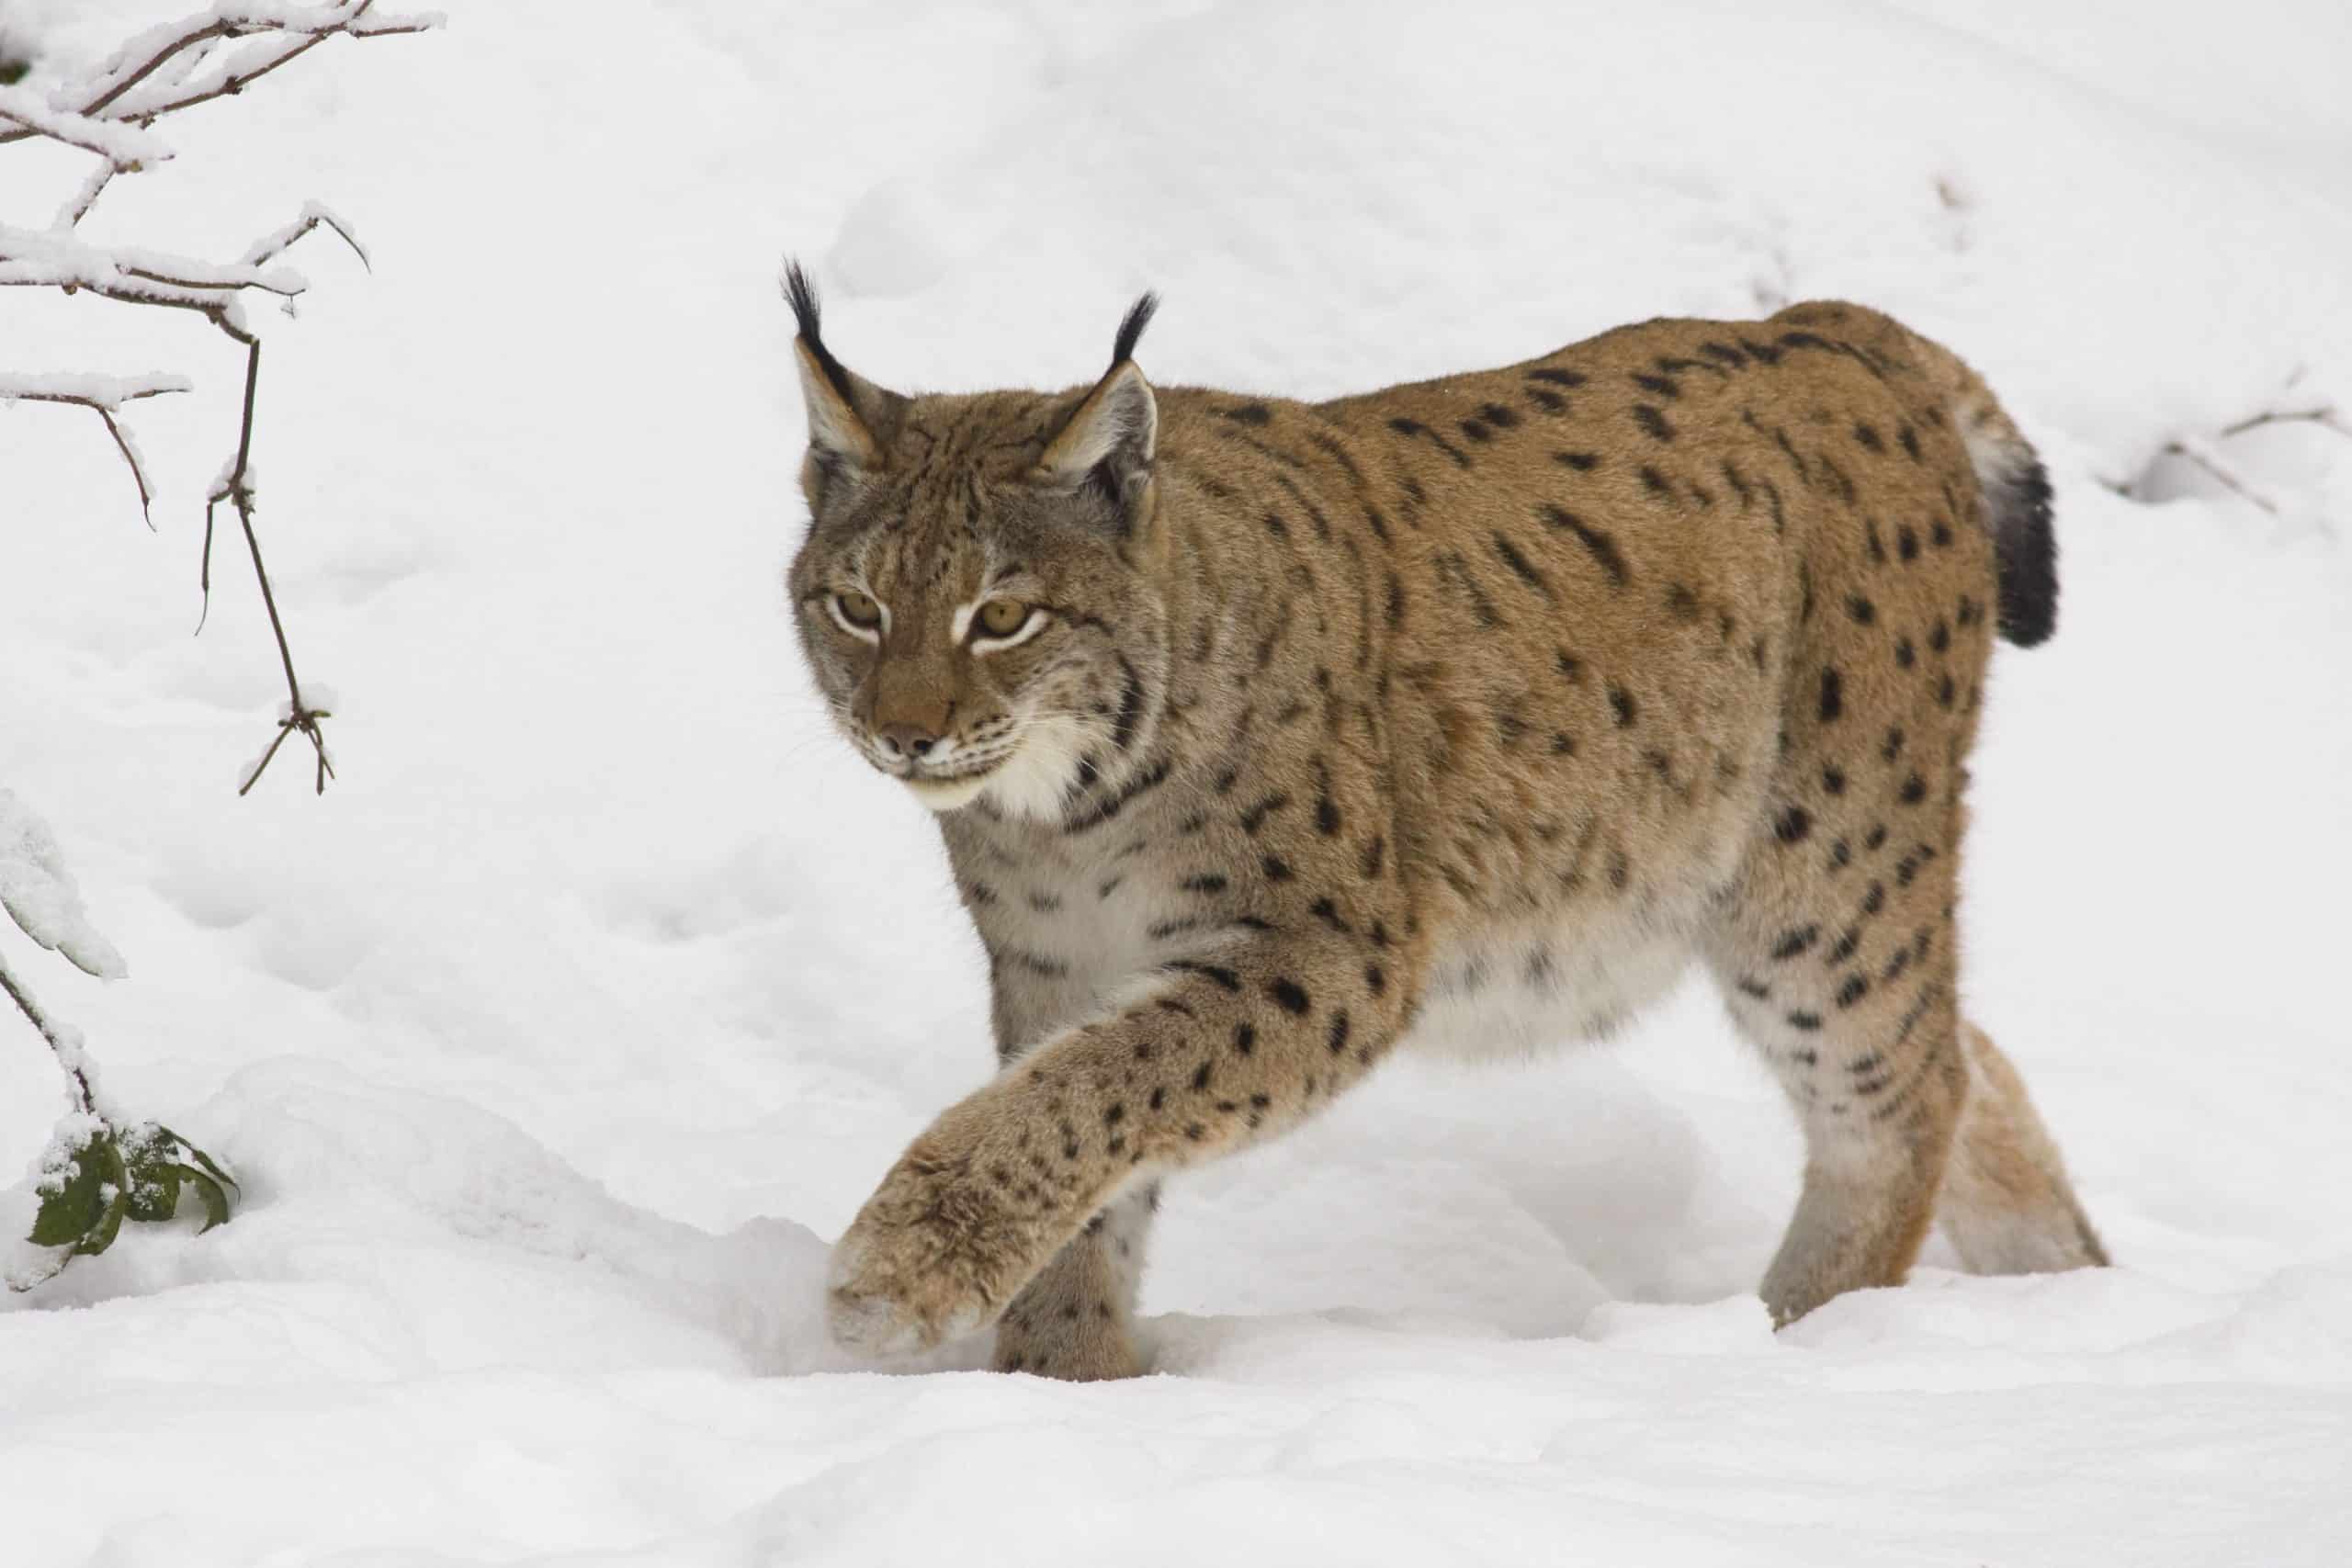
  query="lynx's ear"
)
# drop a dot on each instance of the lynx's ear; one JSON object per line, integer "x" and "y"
{"x": 1113, "y": 433}
{"x": 850, "y": 418}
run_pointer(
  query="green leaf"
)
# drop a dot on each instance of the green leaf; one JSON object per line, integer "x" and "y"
{"x": 76, "y": 1208}
{"x": 109, "y": 1225}
{"x": 154, "y": 1192}
{"x": 216, "y": 1202}
{"x": 200, "y": 1157}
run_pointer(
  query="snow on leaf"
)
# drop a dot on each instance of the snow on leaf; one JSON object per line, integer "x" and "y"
{"x": 40, "y": 894}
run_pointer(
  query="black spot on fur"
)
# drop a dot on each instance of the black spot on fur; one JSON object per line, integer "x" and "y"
{"x": 1521, "y": 567}
{"x": 1558, "y": 378}
{"x": 1793, "y": 824}
{"x": 1620, "y": 702}
{"x": 1249, "y": 413}
{"x": 1603, "y": 547}
{"x": 1833, "y": 701}
{"x": 1652, "y": 422}
{"x": 1794, "y": 943}
{"x": 1336, "y": 1037}
{"x": 1582, "y": 462}
{"x": 1290, "y": 996}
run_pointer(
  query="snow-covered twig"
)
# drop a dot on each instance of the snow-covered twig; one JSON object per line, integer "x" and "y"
{"x": 138, "y": 85}
{"x": 314, "y": 214}
{"x": 103, "y": 395}
{"x": 64, "y": 1039}
{"x": 213, "y": 54}
{"x": 126, "y": 147}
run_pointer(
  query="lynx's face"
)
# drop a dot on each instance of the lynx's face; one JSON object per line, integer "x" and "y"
{"x": 972, "y": 634}
{"x": 975, "y": 596}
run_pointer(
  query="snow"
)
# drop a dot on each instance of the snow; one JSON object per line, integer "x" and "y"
{"x": 41, "y": 897}
{"x": 556, "y": 1041}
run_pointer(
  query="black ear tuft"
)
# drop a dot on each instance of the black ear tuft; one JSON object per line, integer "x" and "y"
{"x": 802, "y": 296}
{"x": 1139, "y": 317}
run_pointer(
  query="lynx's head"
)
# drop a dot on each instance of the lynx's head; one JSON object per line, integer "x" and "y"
{"x": 977, "y": 595}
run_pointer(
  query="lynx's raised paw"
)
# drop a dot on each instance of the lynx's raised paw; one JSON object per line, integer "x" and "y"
{"x": 941, "y": 1247}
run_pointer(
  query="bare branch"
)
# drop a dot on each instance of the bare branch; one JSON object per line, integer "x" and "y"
{"x": 137, "y": 85}
{"x": 106, "y": 399}
{"x": 2202, "y": 453}
{"x": 78, "y": 207}
{"x": 2325, "y": 416}
{"x": 64, "y": 1039}
{"x": 126, "y": 147}
{"x": 108, "y": 114}
{"x": 236, "y": 487}
{"x": 271, "y": 246}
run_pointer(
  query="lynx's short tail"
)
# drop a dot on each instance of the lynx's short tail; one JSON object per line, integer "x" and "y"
{"x": 2009, "y": 475}
{"x": 2016, "y": 508}
{"x": 2016, "y": 496}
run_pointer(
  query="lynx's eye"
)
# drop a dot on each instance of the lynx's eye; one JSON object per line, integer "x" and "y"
{"x": 858, "y": 609}
{"x": 1001, "y": 617}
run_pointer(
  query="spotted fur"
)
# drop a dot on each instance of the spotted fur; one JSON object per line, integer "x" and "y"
{"x": 1465, "y": 713}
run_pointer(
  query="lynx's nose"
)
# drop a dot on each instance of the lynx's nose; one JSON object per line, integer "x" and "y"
{"x": 905, "y": 740}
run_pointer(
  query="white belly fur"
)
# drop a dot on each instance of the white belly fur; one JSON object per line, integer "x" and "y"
{"x": 1515, "y": 990}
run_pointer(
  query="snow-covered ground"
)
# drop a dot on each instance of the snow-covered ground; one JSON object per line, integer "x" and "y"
{"x": 557, "y": 1041}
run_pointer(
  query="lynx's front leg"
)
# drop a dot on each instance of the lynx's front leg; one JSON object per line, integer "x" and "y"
{"x": 1233, "y": 1048}
{"x": 1075, "y": 1319}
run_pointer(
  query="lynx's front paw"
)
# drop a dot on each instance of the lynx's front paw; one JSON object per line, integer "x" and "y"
{"x": 945, "y": 1242}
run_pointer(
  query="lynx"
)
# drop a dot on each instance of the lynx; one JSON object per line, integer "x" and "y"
{"x": 1267, "y": 738}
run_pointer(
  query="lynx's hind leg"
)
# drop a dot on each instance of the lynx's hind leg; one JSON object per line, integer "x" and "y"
{"x": 2005, "y": 1203}
{"x": 1878, "y": 1091}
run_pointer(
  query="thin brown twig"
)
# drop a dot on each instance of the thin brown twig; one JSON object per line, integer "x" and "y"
{"x": 214, "y": 28}
{"x": 2210, "y": 461}
{"x": 145, "y": 279}
{"x": 236, "y": 487}
{"x": 2326, "y": 416}
{"x": 105, "y": 412}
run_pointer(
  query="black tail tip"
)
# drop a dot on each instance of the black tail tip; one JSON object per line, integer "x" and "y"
{"x": 2027, "y": 548}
